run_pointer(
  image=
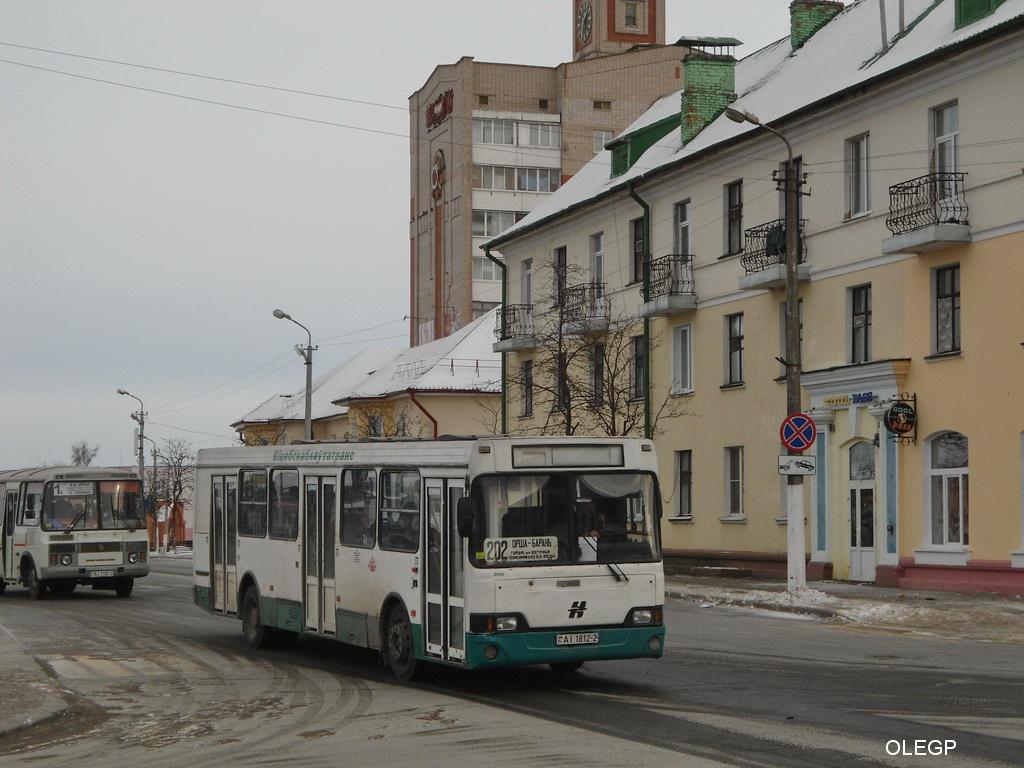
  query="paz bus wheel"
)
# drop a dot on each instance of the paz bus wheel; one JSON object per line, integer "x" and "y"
{"x": 398, "y": 647}
{"x": 36, "y": 588}
{"x": 123, "y": 586}
{"x": 257, "y": 634}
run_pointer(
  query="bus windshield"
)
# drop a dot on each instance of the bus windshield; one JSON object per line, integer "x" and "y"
{"x": 556, "y": 519}
{"x": 90, "y": 506}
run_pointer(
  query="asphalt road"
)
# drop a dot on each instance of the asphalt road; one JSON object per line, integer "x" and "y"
{"x": 153, "y": 680}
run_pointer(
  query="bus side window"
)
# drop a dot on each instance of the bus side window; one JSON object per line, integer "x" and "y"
{"x": 33, "y": 504}
{"x": 400, "y": 510}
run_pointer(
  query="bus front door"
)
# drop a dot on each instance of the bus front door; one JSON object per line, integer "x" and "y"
{"x": 319, "y": 526}
{"x": 444, "y": 564}
{"x": 223, "y": 549}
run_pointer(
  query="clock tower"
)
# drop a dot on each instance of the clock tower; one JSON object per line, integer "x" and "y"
{"x": 604, "y": 27}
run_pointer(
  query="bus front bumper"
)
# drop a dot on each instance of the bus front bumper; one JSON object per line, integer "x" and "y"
{"x": 516, "y": 648}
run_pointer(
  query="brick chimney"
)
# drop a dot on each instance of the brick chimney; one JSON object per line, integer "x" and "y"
{"x": 709, "y": 85}
{"x": 808, "y": 16}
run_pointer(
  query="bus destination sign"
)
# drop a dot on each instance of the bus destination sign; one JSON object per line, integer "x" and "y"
{"x": 520, "y": 548}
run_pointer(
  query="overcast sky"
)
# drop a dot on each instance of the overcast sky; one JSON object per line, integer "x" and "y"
{"x": 171, "y": 171}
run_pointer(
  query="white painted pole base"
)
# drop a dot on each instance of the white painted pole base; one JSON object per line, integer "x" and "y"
{"x": 797, "y": 567}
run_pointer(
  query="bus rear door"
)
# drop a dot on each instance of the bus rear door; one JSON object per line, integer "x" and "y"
{"x": 7, "y": 534}
{"x": 319, "y": 526}
{"x": 444, "y": 571}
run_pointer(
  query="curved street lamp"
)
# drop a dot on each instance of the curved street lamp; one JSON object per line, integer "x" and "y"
{"x": 140, "y": 417}
{"x": 306, "y": 353}
{"x": 797, "y": 571}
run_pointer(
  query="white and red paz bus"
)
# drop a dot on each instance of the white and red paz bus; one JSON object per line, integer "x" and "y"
{"x": 473, "y": 552}
{"x": 65, "y": 526}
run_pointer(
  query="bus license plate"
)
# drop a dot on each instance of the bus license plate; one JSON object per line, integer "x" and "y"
{"x": 578, "y": 638}
{"x": 101, "y": 574}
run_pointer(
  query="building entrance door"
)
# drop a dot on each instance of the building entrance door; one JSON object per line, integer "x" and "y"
{"x": 863, "y": 556}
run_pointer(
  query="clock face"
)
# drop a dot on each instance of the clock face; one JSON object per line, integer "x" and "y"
{"x": 584, "y": 22}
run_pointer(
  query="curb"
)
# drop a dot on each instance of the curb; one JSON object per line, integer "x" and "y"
{"x": 822, "y": 613}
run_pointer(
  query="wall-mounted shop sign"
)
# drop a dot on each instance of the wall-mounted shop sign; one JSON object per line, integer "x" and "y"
{"x": 857, "y": 398}
{"x": 440, "y": 108}
{"x": 901, "y": 419}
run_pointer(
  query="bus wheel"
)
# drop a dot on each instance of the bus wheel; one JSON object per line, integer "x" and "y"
{"x": 398, "y": 645}
{"x": 257, "y": 634}
{"x": 123, "y": 586}
{"x": 63, "y": 587}
{"x": 3, "y": 585}
{"x": 36, "y": 588}
{"x": 562, "y": 667}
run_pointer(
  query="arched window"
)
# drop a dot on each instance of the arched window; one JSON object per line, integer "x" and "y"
{"x": 947, "y": 482}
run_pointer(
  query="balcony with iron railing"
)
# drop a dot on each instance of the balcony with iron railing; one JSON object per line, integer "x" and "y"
{"x": 668, "y": 286}
{"x": 514, "y": 329}
{"x": 585, "y": 308}
{"x": 927, "y": 214}
{"x": 764, "y": 255}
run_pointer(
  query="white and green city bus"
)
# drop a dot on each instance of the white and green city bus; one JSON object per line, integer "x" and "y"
{"x": 472, "y": 552}
{"x": 65, "y": 526}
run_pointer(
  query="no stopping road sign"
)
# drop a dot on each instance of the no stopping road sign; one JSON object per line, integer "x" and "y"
{"x": 798, "y": 432}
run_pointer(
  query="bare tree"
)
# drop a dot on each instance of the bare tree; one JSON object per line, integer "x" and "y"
{"x": 82, "y": 454}
{"x": 174, "y": 481}
{"x": 378, "y": 418}
{"x": 586, "y": 374}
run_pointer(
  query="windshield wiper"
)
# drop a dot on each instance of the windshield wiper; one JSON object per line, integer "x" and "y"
{"x": 118, "y": 516}
{"x": 71, "y": 526}
{"x": 617, "y": 572}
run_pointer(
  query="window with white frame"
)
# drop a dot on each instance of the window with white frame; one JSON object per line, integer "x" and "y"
{"x": 485, "y": 269}
{"x": 734, "y": 349}
{"x": 947, "y": 310}
{"x": 547, "y": 135}
{"x": 597, "y": 261}
{"x": 860, "y": 324}
{"x": 734, "y": 481}
{"x": 946, "y": 137}
{"x": 492, "y": 223}
{"x": 948, "y": 489}
{"x": 487, "y": 131}
{"x": 682, "y": 222}
{"x": 858, "y": 200}
{"x": 526, "y": 287}
{"x": 684, "y": 483}
{"x": 601, "y": 138}
{"x": 506, "y": 178}
{"x": 682, "y": 359}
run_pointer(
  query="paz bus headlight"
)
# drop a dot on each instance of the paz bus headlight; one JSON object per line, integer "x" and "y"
{"x": 133, "y": 557}
{"x": 65, "y": 559}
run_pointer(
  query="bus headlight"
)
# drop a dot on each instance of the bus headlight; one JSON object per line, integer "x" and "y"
{"x": 65, "y": 559}
{"x": 645, "y": 617}
{"x": 133, "y": 557}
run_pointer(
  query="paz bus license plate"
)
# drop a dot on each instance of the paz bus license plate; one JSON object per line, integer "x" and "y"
{"x": 101, "y": 574}
{"x": 578, "y": 638}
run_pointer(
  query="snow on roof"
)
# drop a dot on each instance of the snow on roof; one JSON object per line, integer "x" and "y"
{"x": 462, "y": 362}
{"x": 776, "y": 82}
{"x": 327, "y": 388}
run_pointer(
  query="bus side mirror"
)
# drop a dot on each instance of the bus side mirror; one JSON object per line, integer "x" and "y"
{"x": 464, "y": 515}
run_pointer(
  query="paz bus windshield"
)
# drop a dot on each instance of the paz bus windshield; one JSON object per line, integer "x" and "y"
{"x": 91, "y": 506}
{"x": 557, "y": 519}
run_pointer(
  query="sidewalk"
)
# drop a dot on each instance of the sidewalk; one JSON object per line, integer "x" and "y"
{"x": 31, "y": 695}
{"x": 964, "y": 615}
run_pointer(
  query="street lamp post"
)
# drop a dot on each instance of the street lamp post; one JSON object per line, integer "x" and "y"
{"x": 140, "y": 418}
{"x": 796, "y": 567}
{"x": 306, "y": 353}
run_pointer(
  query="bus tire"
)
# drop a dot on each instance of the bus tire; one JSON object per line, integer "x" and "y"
{"x": 398, "y": 645}
{"x": 3, "y": 585}
{"x": 257, "y": 634}
{"x": 123, "y": 586}
{"x": 36, "y": 588}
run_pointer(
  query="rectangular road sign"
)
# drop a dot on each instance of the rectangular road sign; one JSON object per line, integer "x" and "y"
{"x": 797, "y": 465}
